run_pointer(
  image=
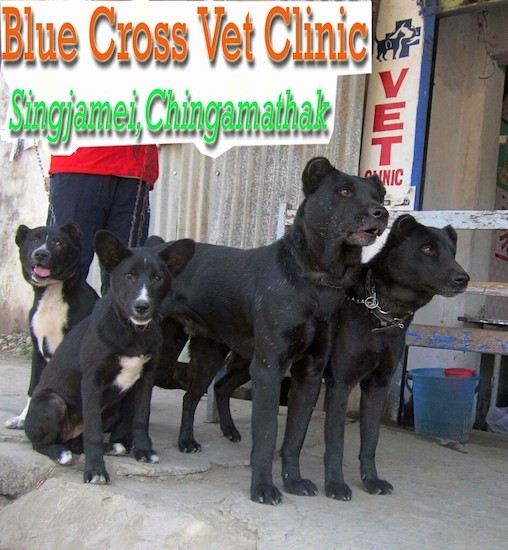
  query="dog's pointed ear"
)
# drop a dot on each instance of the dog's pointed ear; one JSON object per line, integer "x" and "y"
{"x": 376, "y": 180}
{"x": 315, "y": 170}
{"x": 109, "y": 249}
{"x": 451, "y": 233}
{"x": 21, "y": 234}
{"x": 73, "y": 230}
{"x": 403, "y": 224}
{"x": 176, "y": 255}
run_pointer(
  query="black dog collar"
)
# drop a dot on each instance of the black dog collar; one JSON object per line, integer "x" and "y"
{"x": 371, "y": 302}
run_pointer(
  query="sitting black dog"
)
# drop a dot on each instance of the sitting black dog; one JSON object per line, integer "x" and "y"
{"x": 273, "y": 306}
{"x": 50, "y": 262}
{"x": 104, "y": 357}
{"x": 416, "y": 263}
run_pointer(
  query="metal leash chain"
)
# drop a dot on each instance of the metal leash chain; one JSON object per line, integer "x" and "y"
{"x": 134, "y": 215}
{"x": 136, "y": 204}
{"x": 372, "y": 304}
{"x": 52, "y": 217}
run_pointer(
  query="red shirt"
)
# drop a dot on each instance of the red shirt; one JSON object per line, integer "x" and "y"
{"x": 126, "y": 161}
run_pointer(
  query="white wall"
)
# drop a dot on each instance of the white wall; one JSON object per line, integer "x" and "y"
{"x": 23, "y": 200}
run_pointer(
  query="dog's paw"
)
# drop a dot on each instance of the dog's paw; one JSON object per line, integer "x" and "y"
{"x": 189, "y": 446}
{"x": 64, "y": 458}
{"x": 15, "y": 423}
{"x": 377, "y": 486}
{"x": 115, "y": 449}
{"x": 146, "y": 455}
{"x": 338, "y": 491}
{"x": 265, "y": 493}
{"x": 232, "y": 434}
{"x": 96, "y": 477}
{"x": 301, "y": 487}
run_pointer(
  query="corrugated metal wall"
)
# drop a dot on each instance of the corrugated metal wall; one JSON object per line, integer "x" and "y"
{"x": 234, "y": 199}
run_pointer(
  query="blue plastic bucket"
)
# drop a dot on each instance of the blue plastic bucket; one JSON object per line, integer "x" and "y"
{"x": 443, "y": 405}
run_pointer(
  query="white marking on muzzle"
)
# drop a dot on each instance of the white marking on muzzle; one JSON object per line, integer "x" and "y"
{"x": 43, "y": 246}
{"x": 143, "y": 296}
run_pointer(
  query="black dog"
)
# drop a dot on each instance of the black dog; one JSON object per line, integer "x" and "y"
{"x": 50, "y": 262}
{"x": 273, "y": 306}
{"x": 416, "y": 263}
{"x": 106, "y": 355}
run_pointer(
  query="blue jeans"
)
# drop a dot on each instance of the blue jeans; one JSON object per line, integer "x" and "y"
{"x": 120, "y": 205}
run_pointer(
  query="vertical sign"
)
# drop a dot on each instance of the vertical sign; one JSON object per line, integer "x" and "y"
{"x": 394, "y": 131}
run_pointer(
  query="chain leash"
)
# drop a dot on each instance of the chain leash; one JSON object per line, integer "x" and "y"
{"x": 371, "y": 302}
{"x": 52, "y": 217}
{"x": 142, "y": 187}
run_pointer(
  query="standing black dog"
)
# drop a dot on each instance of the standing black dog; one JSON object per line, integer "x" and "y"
{"x": 416, "y": 263}
{"x": 106, "y": 355}
{"x": 273, "y": 306}
{"x": 50, "y": 262}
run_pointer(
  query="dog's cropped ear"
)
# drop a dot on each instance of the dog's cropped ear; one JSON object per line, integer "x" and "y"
{"x": 376, "y": 180}
{"x": 451, "y": 233}
{"x": 403, "y": 224}
{"x": 154, "y": 241}
{"x": 315, "y": 170}
{"x": 177, "y": 254}
{"x": 21, "y": 234}
{"x": 109, "y": 249}
{"x": 73, "y": 230}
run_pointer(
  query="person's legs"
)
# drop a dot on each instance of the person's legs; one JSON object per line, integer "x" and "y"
{"x": 129, "y": 215}
{"x": 82, "y": 199}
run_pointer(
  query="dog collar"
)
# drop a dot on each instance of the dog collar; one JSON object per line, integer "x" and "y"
{"x": 371, "y": 302}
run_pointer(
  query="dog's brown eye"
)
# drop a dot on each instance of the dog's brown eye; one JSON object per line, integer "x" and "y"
{"x": 129, "y": 276}
{"x": 345, "y": 192}
{"x": 157, "y": 278}
{"x": 428, "y": 250}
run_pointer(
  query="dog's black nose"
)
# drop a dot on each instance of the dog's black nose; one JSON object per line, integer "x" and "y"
{"x": 460, "y": 277}
{"x": 40, "y": 255}
{"x": 141, "y": 307}
{"x": 378, "y": 212}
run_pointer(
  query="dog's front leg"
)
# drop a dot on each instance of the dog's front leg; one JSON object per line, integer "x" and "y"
{"x": 337, "y": 393}
{"x": 207, "y": 357}
{"x": 236, "y": 375}
{"x": 266, "y": 381}
{"x": 371, "y": 411}
{"x": 38, "y": 365}
{"x": 91, "y": 394}
{"x": 141, "y": 442}
{"x": 306, "y": 376}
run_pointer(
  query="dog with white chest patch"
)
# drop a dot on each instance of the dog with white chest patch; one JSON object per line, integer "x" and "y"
{"x": 50, "y": 262}
{"x": 110, "y": 355}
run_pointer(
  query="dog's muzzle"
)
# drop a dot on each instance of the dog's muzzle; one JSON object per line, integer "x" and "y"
{"x": 142, "y": 314}
{"x": 373, "y": 225}
{"x": 41, "y": 275}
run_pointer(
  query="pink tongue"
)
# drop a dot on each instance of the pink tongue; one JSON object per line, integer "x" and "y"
{"x": 42, "y": 271}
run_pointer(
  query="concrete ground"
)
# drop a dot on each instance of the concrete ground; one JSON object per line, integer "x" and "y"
{"x": 444, "y": 498}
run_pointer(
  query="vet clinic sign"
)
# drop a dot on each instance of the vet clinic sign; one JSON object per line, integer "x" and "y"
{"x": 397, "y": 101}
